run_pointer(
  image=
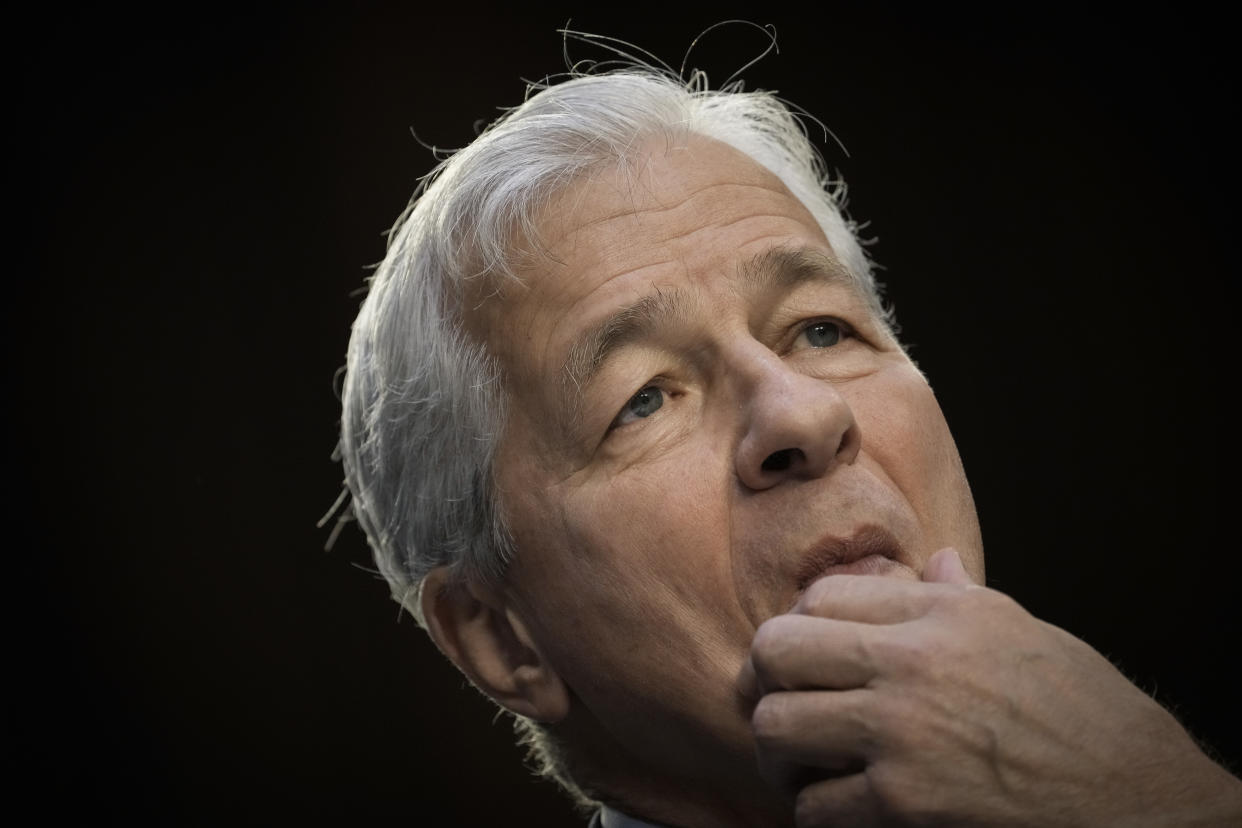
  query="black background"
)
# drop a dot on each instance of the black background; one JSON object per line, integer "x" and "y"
{"x": 197, "y": 196}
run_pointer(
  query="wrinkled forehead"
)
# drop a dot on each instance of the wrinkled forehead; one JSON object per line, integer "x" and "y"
{"x": 623, "y": 224}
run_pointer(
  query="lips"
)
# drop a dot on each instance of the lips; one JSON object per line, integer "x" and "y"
{"x": 871, "y": 550}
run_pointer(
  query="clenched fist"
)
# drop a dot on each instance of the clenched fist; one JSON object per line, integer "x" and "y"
{"x": 881, "y": 701}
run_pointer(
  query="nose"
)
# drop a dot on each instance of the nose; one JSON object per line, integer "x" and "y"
{"x": 795, "y": 426}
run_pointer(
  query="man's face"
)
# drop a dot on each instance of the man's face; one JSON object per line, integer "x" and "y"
{"x": 704, "y": 416}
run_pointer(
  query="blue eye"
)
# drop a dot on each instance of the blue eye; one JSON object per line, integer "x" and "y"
{"x": 643, "y": 404}
{"x": 823, "y": 334}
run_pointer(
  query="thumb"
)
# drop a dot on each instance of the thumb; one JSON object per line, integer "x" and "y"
{"x": 945, "y": 567}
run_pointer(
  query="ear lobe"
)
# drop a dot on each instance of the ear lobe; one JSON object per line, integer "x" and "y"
{"x": 490, "y": 643}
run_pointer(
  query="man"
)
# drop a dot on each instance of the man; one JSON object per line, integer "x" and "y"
{"x": 630, "y": 433}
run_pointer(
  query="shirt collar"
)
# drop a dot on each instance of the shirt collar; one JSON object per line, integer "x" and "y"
{"x": 612, "y": 818}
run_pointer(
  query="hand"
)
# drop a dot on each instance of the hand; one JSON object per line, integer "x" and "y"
{"x": 882, "y": 701}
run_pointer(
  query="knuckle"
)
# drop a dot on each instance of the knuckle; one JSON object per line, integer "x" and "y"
{"x": 985, "y": 601}
{"x": 826, "y": 596}
{"x": 893, "y": 798}
{"x": 811, "y": 811}
{"x": 897, "y": 796}
{"x": 902, "y": 726}
{"x": 820, "y": 595}
{"x": 769, "y": 648}
{"x": 907, "y": 655}
{"x": 768, "y": 636}
{"x": 770, "y": 720}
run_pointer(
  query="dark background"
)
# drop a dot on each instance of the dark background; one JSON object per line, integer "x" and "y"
{"x": 196, "y": 197}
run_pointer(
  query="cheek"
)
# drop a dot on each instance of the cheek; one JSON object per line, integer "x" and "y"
{"x": 658, "y": 532}
{"x": 905, "y": 431}
{"x": 638, "y": 565}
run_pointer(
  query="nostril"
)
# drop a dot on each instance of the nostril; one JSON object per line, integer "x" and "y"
{"x": 780, "y": 460}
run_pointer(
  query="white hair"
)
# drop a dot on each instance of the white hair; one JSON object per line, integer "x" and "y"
{"x": 423, "y": 403}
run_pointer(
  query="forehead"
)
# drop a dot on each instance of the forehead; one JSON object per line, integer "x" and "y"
{"x": 683, "y": 214}
{"x": 666, "y": 203}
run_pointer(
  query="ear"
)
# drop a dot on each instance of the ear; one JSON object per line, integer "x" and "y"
{"x": 488, "y": 642}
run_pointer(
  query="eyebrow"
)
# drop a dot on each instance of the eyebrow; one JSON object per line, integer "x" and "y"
{"x": 632, "y": 323}
{"x": 778, "y": 268}
{"x": 788, "y": 267}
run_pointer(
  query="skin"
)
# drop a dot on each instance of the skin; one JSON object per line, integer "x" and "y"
{"x": 657, "y": 614}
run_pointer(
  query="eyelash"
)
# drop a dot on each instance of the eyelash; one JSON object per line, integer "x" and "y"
{"x": 654, "y": 384}
{"x": 846, "y": 330}
{"x": 657, "y": 383}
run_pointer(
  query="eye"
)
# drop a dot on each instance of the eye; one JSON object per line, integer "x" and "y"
{"x": 823, "y": 334}
{"x": 643, "y": 404}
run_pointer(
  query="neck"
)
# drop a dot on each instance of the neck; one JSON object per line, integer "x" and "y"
{"x": 728, "y": 795}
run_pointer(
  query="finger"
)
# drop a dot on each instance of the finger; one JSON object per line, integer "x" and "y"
{"x": 945, "y": 567}
{"x": 844, "y": 800}
{"x": 828, "y": 730}
{"x": 870, "y": 600}
{"x": 789, "y": 779}
{"x": 800, "y": 652}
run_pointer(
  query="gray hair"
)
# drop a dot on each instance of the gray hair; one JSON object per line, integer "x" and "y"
{"x": 423, "y": 403}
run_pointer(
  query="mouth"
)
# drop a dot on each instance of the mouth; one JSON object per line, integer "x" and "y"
{"x": 871, "y": 550}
